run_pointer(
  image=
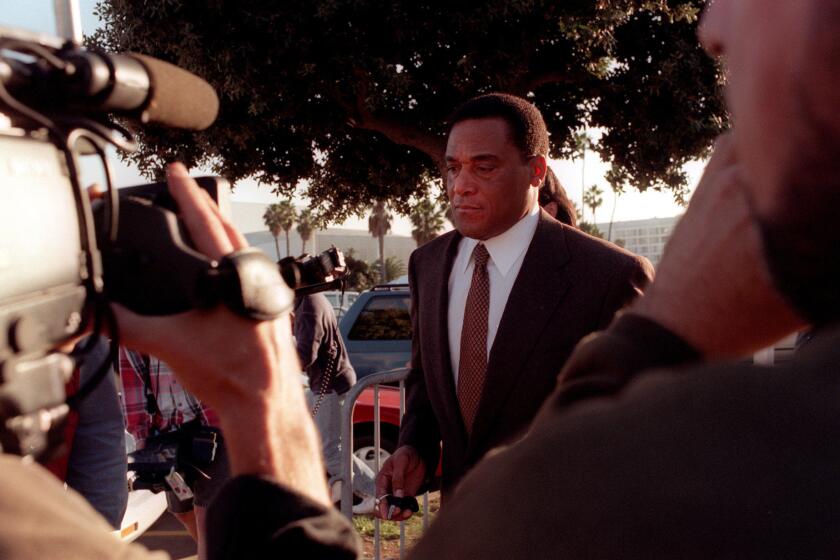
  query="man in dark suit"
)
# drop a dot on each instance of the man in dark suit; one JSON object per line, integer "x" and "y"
{"x": 645, "y": 451}
{"x": 549, "y": 286}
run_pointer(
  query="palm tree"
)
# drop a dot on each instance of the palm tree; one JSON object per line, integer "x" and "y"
{"x": 592, "y": 199}
{"x": 271, "y": 220}
{"x": 379, "y": 224}
{"x": 306, "y": 225}
{"x": 427, "y": 218}
{"x": 279, "y": 216}
{"x": 394, "y": 268}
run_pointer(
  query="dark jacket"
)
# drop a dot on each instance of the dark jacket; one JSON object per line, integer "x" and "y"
{"x": 570, "y": 285}
{"x": 319, "y": 344}
{"x": 638, "y": 454}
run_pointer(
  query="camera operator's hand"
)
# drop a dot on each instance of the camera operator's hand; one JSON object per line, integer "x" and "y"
{"x": 246, "y": 370}
{"x": 402, "y": 474}
{"x": 712, "y": 287}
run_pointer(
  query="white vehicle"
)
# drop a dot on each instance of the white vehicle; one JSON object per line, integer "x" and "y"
{"x": 143, "y": 509}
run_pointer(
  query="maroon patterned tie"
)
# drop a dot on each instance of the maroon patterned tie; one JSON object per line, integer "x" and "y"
{"x": 472, "y": 366}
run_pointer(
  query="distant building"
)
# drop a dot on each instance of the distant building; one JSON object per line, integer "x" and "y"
{"x": 643, "y": 237}
{"x": 247, "y": 217}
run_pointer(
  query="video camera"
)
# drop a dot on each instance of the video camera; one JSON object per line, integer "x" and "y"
{"x": 172, "y": 461}
{"x": 63, "y": 258}
{"x": 307, "y": 274}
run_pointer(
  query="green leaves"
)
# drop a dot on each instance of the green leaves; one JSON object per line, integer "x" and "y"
{"x": 352, "y": 95}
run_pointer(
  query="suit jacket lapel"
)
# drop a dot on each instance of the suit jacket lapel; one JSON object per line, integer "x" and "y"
{"x": 538, "y": 290}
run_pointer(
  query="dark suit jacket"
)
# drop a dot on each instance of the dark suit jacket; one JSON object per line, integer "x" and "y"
{"x": 570, "y": 284}
{"x": 637, "y": 455}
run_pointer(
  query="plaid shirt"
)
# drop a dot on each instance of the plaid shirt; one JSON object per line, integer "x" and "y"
{"x": 176, "y": 405}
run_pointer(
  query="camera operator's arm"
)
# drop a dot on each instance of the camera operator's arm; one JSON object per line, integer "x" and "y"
{"x": 248, "y": 372}
{"x": 712, "y": 291}
{"x": 713, "y": 285}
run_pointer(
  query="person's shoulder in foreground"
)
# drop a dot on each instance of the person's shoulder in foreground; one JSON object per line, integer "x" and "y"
{"x": 708, "y": 461}
{"x": 39, "y": 519}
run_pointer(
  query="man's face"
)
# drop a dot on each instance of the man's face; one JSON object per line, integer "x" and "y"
{"x": 490, "y": 184}
{"x": 783, "y": 91}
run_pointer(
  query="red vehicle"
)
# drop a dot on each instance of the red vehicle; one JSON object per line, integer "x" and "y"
{"x": 389, "y": 410}
{"x": 389, "y": 427}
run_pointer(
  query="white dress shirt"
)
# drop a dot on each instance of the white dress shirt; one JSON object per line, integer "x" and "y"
{"x": 507, "y": 251}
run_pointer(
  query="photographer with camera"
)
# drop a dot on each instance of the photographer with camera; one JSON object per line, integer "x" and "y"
{"x": 158, "y": 410}
{"x": 324, "y": 359}
{"x": 162, "y": 272}
{"x": 248, "y": 372}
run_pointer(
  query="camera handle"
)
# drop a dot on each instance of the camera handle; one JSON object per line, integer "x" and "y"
{"x": 152, "y": 269}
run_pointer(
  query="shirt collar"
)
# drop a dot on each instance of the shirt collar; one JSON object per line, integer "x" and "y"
{"x": 507, "y": 247}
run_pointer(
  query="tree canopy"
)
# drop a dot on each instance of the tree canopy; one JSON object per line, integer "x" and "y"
{"x": 353, "y": 94}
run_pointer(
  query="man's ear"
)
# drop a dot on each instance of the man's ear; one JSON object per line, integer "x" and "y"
{"x": 539, "y": 167}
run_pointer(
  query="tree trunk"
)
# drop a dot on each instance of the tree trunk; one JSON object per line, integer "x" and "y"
{"x": 382, "y": 279}
{"x": 277, "y": 247}
{"x": 288, "y": 250}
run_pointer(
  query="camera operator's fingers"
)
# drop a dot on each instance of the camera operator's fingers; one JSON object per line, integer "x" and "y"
{"x": 236, "y": 238}
{"x": 206, "y": 229}
{"x": 714, "y": 267}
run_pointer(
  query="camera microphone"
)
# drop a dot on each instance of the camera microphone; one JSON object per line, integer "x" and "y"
{"x": 131, "y": 84}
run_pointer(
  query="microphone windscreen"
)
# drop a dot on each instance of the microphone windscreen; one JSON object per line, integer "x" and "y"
{"x": 178, "y": 98}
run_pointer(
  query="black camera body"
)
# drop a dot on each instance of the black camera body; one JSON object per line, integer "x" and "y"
{"x": 309, "y": 274}
{"x": 64, "y": 259}
{"x": 43, "y": 293}
{"x": 185, "y": 453}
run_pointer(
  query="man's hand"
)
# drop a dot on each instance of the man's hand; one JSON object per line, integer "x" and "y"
{"x": 402, "y": 475}
{"x": 712, "y": 287}
{"x": 246, "y": 370}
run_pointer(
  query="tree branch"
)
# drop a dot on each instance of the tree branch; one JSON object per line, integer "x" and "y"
{"x": 397, "y": 131}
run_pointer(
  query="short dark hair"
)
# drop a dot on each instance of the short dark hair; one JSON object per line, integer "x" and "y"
{"x": 552, "y": 191}
{"x": 527, "y": 127}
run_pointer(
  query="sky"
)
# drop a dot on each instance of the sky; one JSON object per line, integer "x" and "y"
{"x": 38, "y": 15}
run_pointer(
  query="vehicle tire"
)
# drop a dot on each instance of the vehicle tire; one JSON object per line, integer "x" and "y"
{"x": 363, "y": 447}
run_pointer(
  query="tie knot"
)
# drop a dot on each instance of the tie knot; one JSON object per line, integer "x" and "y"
{"x": 480, "y": 255}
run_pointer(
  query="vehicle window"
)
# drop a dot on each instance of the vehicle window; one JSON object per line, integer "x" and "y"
{"x": 383, "y": 318}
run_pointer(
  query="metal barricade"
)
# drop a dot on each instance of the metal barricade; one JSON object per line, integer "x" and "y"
{"x": 373, "y": 380}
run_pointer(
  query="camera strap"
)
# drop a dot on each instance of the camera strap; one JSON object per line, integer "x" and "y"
{"x": 141, "y": 363}
{"x": 326, "y": 380}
